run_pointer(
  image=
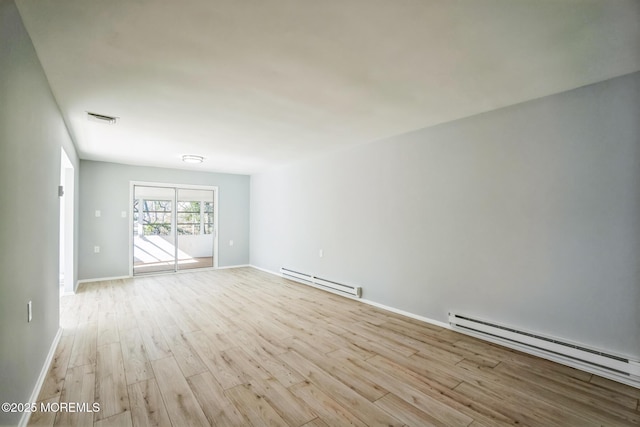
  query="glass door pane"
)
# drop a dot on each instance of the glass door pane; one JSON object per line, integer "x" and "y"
{"x": 195, "y": 228}
{"x": 154, "y": 239}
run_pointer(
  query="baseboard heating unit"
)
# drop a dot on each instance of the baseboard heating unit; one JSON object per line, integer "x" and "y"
{"x": 616, "y": 367}
{"x": 320, "y": 282}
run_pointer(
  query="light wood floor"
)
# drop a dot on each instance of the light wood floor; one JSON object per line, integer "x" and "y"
{"x": 242, "y": 347}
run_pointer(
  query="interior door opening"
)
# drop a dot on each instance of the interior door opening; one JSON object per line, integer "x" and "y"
{"x": 174, "y": 228}
{"x": 66, "y": 262}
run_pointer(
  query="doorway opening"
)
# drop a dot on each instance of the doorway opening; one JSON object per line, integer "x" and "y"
{"x": 67, "y": 197}
{"x": 173, "y": 228}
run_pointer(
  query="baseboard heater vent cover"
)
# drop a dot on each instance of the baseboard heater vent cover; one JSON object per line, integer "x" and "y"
{"x": 320, "y": 282}
{"x": 615, "y": 367}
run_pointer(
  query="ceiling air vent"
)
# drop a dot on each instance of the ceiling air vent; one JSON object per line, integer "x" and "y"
{"x": 101, "y": 118}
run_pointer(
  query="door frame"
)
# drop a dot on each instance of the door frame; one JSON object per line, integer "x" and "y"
{"x": 67, "y": 223}
{"x": 176, "y": 187}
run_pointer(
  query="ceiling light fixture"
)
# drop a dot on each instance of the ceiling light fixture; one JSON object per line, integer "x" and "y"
{"x": 191, "y": 158}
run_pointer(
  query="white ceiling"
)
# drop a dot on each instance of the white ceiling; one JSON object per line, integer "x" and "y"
{"x": 252, "y": 84}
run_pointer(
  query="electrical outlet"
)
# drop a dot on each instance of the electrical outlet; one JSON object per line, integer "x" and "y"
{"x": 98, "y": 213}
{"x": 321, "y": 253}
{"x": 123, "y": 214}
{"x": 96, "y": 249}
{"x": 230, "y": 242}
{"x": 29, "y": 312}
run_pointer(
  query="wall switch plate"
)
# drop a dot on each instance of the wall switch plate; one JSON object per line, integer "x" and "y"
{"x": 96, "y": 249}
{"x": 230, "y": 242}
{"x": 29, "y": 312}
{"x": 123, "y": 214}
{"x": 321, "y": 253}
{"x": 98, "y": 214}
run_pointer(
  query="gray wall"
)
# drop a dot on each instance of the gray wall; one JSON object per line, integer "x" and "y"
{"x": 527, "y": 215}
{"x": 105, "y": 187}
{"x": 31, "y": 134}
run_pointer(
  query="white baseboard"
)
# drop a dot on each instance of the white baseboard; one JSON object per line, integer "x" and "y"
{"x": 233, "y": 266}
{"x": 101, "y": 279}
{"x": 406, "y": 313}
{"x": 265, "y": 270}
{"x": 369, "y": 302}
{"x": 24, "y": 420}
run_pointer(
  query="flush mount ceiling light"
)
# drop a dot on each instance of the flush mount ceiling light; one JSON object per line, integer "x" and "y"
{"x": 191, "y": 158}
{"x": 101, "y": 118}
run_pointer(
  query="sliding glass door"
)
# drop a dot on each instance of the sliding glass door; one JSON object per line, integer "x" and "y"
{"x": 195, "y": 229}
{"x": 174, "y": 228}
{"x": 153, "y": 230}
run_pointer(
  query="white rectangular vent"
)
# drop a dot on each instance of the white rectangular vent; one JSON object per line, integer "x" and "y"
{"x": 101, "y": 118}
{"x": 616, "y": 367}
{"x": 324, "y": 283}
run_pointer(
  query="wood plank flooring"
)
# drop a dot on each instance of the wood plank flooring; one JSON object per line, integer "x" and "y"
{"x": 241, "y": 347}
